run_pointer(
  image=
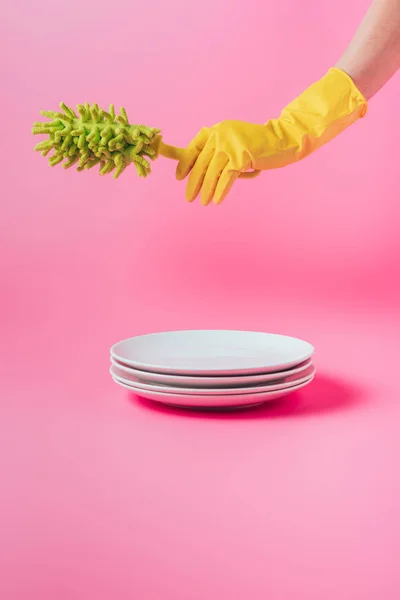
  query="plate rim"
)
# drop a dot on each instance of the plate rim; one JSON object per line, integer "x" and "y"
{"x": 234, "y": 399}
{"x": 303, "y": 366}
{"x": 214, "y": 391}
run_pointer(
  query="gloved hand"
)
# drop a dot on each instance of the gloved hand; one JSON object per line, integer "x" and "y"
{"x": 218, "y": 155}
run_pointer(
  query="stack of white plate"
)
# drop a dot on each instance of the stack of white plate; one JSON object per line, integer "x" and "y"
{"x": 212, "y": 368}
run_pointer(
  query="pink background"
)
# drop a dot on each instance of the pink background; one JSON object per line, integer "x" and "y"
{"x": 104, "y": 496}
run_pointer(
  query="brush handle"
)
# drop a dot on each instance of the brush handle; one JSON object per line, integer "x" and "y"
{"x": 175, "y": 153}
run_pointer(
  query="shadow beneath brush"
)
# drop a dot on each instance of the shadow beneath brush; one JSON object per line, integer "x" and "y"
{"x": 326, "y": 394}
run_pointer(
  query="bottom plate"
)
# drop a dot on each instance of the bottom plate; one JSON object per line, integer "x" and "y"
{"x": 196, "y": 401}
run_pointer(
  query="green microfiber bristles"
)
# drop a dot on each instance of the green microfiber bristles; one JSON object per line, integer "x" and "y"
{"x": 96, "y": 137}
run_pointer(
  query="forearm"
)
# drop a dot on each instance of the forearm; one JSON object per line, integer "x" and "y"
{"x": 373, "y": 55}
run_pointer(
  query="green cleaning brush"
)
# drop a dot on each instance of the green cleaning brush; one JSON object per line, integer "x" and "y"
{"x": 98, "y": 137}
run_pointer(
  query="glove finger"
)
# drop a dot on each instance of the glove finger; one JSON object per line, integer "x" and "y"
{"x": 211, "y": 179}
{"x": 191, "y": 154}
{"x": 198, "y": 173}
{"x": 225, "y": 183}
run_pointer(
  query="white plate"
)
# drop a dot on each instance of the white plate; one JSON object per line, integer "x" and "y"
{"x": 203, "y": 381}
{"x": 196, "y": 401}
{"x": 212, "y": 352}
{"x": 269, "y": 387}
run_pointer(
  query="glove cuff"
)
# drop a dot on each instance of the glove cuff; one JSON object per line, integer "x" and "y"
{"x": 319, "y": 114}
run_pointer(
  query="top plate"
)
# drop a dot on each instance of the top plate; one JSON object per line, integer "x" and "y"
{"x": 212, "y": 352}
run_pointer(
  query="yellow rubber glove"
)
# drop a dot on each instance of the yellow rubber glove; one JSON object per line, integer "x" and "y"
{"x": 218, "y": 155}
